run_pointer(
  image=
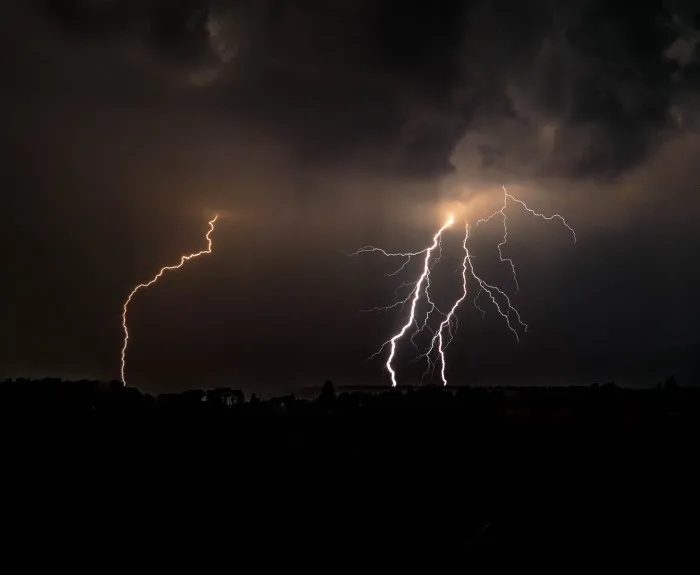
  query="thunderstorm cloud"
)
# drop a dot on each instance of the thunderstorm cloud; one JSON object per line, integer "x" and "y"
{"x": 321, "y": 126}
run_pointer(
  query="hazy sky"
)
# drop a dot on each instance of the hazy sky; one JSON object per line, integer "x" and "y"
{"x": 316, "y": 128}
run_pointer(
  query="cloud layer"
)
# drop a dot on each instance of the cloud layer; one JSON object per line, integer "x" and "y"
{"x": 319, "y": 127}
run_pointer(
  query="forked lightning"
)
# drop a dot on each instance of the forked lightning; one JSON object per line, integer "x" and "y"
{"x": 443, "y": 334}
{"x": 415, "y": 294}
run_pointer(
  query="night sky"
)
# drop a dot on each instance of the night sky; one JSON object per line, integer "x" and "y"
{"x": 315, "y": 128}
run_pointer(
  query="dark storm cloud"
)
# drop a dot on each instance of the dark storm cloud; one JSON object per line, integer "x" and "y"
{"x": 198, "y": 37}
{"x": 576, "y": 90}
{"x": 579, "y": 90}
{"x": 125, "y": 120}
{"x": 327, "y": 77}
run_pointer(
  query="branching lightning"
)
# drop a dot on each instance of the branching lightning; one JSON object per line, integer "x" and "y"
{"x": 504, "y": 240}
{"x": 446, "y": 323}
{"x": 449, "y": 320}
{"x": 415, "y": 294}
{"x": 443, "y": 334}
{"x": 155, "y": 278}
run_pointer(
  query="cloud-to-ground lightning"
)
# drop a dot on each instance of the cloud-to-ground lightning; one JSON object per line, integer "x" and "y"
{"x": 415, "y": 294}
{"x": 153, "y": 280}
{"x": 443, "y": 334}
{"x": 450, "y": 317}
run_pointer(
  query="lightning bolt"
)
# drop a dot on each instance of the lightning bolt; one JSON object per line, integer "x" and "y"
{"x": 504, "y": 240}
{"x": 155, "y": 278}
{"x": 447, "y": 322}
{"x": 443, "y": 335}
{"x": 415, "y": 294}
{"x": 490, "y": 290}
{"x": 431, "y": 303}
{"x": 541, "y": 216}
{"x": 506, "y": 308}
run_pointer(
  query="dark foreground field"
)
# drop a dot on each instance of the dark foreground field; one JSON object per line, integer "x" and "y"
{"x": 499, "y": 473}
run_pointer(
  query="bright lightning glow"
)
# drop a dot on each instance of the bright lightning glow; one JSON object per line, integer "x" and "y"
{"x": 443, "y": 334}
{"x": 446, "y": 323}
{"x": 155, "y": 278}
{"x": 415, "y": 294}
{"x": 431, "y": 303}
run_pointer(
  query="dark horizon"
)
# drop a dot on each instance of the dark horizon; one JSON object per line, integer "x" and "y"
{"x": 510, "y": 471}
{"x": 631, "y": 371}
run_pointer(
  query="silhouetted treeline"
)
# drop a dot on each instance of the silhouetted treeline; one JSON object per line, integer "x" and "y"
{"x": 354, "y": 419}
{"x": 500, "y": 468}
{"x": 50, "y": 397}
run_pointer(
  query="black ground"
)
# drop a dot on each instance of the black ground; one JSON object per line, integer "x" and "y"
{"x": 488, "y": 473}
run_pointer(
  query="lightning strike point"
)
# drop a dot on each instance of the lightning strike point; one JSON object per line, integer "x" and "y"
{"x": 155, "y": 278}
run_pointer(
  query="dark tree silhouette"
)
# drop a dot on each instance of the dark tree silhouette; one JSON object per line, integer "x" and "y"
{"x": 328, "y": 391}
{"x": 671, "y": 383}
